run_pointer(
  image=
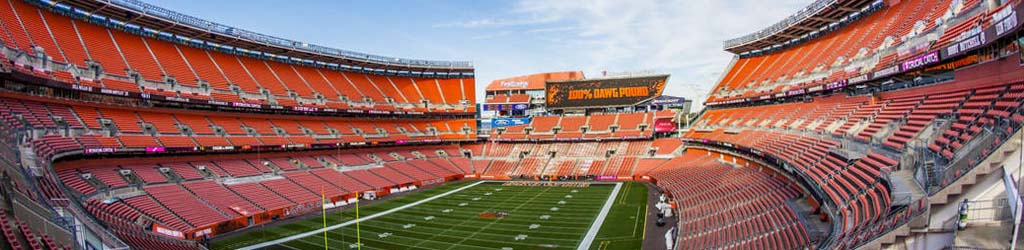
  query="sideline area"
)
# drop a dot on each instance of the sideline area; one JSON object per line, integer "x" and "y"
{"x": 589, "y": 238}
{"x": 347, "y": 223}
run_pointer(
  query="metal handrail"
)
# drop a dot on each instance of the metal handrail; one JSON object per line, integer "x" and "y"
{"x": 813, "y": 8}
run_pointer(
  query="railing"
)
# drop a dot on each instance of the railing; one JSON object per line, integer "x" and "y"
{"x": 221, "y": 29}
{"x": 886, "y": 224}
{"x": 980, "y": 212}
{"x": 988, "y": 210}
{"x": 801, "y": 15}
{"x": 966, "y": 159}
{"x": 28, "y": 211}
{"x": 47, "y": 209}
{"x": 88, "y": 223}
{"x": 828, "y": 205}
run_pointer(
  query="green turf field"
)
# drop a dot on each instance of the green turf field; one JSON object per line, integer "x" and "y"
{"x": 538, "y": 218}
{"x": 624, "y": 227}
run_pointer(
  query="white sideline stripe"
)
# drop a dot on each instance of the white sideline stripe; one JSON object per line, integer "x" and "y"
{"x": 589, "y": 238}
{"x": 336, "y": 226}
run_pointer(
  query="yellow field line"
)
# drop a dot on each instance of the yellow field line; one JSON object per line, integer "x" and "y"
{"x": 636, "y": 221}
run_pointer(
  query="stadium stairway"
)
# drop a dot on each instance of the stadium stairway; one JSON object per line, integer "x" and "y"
{"x": 947, "y": 199}
{"x": 985, "y": 167}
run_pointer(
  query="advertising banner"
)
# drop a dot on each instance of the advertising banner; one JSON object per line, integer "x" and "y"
{"x": 667, "y": 101}
{"x": 506, "y": 106}
{"x": 604, "y": 92}
{"x": 508, "y": 122}
{"x": 664, "y": 125}
{"x": 921, "y": 61}
{"x": 157, "y": 228}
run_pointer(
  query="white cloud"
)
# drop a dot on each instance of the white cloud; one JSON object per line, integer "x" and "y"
{"x": 494, "y": 35}
{"x": 495, "y": 23}
{"x": 552, "y": 29}
{"x": 681, "y": 37}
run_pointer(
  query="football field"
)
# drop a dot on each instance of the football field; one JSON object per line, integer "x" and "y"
{"x": 471, "y": 215}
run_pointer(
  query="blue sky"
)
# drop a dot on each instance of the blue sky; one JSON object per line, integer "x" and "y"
{"x": 511, "y": 38}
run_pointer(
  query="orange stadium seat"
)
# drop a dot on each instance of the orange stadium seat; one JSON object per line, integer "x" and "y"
{"x": 751, "y": 174}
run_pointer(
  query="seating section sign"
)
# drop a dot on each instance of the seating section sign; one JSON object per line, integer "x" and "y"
{"x": 604, "y": 92}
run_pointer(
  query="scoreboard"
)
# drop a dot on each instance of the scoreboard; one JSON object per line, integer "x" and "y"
{"x": 607, "y": 92}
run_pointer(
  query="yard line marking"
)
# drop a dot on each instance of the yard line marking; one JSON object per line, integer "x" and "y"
{"x": 336, "y": 226}
{"x": 635, "y": 222}
{"x": 589, "y": 238}
{"x": 496, "y": 221}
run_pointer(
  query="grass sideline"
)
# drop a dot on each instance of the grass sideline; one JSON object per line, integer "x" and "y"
{"x": 624, "y": 228}
{"x": 453, "y": 222}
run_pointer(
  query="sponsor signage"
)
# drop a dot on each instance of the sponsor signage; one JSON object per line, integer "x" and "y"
{"x": 1008, "y": 21}
{"x": 432, "y": 182}
{"x": 887, "y": 71}
{"x": 508, "y": 122}
{"x": 736, "y": 100}
{"x": 204, "y": 231}
{"x": 81, "y": 88}
{"x": 506, "y": 106}
{"x": 114, "y": 92}
{"x": 219, "y": 148}
{"x": 921, "y": 61}
{"x": 667, "y": 101}
{"x": 177, "y": 99}
{"x": 515, "y": 84}
{"x": 98, "y": 150}
{"x": 157, "y": 228}
{"x": 857, "y": 79}
{"x": 245, "y": 105}
{"x": 835, "y": 85}
{"x": 604, "y": 92}
{"x": 303, "y": 208}
{"x": 955, "y": 64}
{"x": 155, "y": 149}
{"x": 967, "y": 44}
{"x": 664, "y": 125}
{"x": 220, "y": 103}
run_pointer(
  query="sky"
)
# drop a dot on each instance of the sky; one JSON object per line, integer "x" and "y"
{"x": 519, "y": 37}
